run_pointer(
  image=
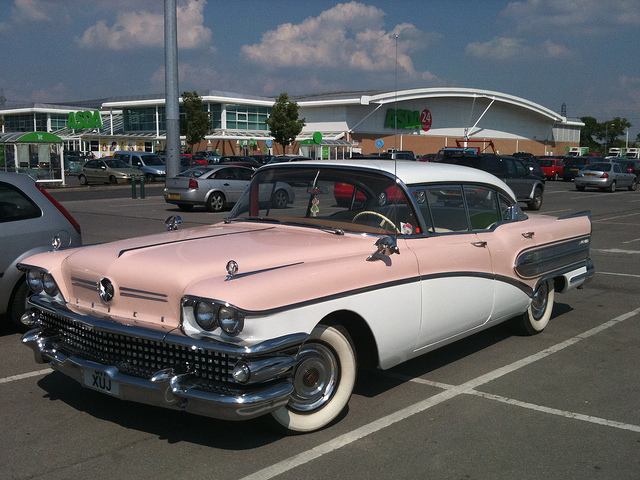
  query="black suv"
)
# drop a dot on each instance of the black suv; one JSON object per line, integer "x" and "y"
{"x": 528, "y": 188}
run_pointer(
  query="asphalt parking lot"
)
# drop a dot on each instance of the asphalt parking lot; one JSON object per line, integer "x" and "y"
{"x": 559, "y": 405}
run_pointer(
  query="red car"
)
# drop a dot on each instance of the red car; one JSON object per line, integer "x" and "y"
{"x": 343, "y": 193}
{"x": 552, "y": 167}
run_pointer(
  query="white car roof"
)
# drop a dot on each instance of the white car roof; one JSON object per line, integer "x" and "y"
{"x": 412, "y": 172}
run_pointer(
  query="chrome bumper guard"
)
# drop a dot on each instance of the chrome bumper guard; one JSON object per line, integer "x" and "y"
{"x": 177, "y": 387}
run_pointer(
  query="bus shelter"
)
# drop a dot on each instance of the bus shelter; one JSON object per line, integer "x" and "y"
{"x": 37, "y": 154}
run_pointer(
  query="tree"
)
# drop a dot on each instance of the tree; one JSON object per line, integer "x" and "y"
{"x": 591, "y": 127}
{"x": 608, "y": 131}
{"x": 284, "y": 124}
{"x": 196, "y": 125}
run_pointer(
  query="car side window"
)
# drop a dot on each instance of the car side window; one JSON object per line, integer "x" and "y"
{"x": 16, "y": 205}
{"x": 616, "y": 168}
{"x": 135, "y": 161}
{"x": 446, "y": 209}
{"x": 92, "y": 164}
{"x": 244, "y": 173}
{"x": 483, "y": 207}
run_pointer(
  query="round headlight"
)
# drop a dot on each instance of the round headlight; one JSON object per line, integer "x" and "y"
{"x": 34, "y": 281}
{"x": 49, "y": 285}
{"x": 205, "y": 314}
{"x": 231, "y": 320}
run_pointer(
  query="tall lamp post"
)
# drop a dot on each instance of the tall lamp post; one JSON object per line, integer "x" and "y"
{"x": 172, "y": 98}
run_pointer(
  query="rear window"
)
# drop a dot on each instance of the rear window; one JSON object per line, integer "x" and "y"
{"x": 16, "y": 205}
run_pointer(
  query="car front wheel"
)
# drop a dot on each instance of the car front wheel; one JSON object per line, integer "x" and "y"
{"x": 537, "y": 316}
{"x": 322, "y": 382}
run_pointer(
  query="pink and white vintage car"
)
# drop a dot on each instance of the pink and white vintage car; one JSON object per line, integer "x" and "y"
{"x": 273, "y": 310}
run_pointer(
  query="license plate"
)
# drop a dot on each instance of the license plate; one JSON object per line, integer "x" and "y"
{"x": 100, "y": 381}
{"x": 174, "y": 195}
{"x": 589, "y": 174}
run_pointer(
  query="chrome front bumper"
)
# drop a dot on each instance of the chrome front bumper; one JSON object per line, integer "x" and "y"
{"x": 179, "y": 386}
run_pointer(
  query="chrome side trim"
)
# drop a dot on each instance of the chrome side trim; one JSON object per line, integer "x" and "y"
{"x": 182, "y": 240}
{"x": 541, "y": 260}
{"x": 143, "y": 294}
{"x": 81, "y": 282}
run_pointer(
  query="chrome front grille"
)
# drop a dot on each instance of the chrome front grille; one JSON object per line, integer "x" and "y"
{"x": 138, "y": 357}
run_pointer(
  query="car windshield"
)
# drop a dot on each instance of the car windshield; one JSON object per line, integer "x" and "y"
{"x": 153, "y": 160}
{"x": 335, "y": 198}
{"x": 116, "y": 164}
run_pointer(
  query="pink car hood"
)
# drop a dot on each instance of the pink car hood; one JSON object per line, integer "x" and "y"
{"x": 278, "y": 266}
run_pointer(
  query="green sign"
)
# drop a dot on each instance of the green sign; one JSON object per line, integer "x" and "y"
{"x": 80, "y": 120}
{"x": 407, "y": 119}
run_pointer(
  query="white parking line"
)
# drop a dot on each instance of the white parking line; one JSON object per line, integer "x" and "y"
{"x": 618, "y": 274}
{"x": 449, "y": 392}
{"x": 25, "y": 375}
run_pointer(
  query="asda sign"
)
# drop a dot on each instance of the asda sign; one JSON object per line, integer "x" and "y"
{"x": 408, "y": 119}
{"x": 80, "y": 120}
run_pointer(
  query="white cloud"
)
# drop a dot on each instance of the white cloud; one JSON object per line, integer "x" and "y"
{"x": 349, "y": 35}
{"x": 510, "y": 48}
{"x": 145, "y": 29}
{"x": 31, "y": 10}
{"x": 589, "y": 15}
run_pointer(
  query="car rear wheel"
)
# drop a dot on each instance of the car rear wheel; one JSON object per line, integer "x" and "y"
{"x": 537, "y": 316}
{"x": 215, "y": 202}
{"x": 536, "y": 202}
{"x": 612, "y": 188}
{"x": 83, "y": 180}
{"x": 634, "y": 185}
{"x": 113, "y": 180}
{"x": 322, "y": 382}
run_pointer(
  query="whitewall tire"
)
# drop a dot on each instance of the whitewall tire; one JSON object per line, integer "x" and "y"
{"x": 323, "y": 381}
{"x": 537, "y": 316}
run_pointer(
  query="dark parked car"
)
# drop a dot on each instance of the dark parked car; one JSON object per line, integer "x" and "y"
{"x": 29, "y": 219}
{"x": 528, "y": 188}
{"x": 632, "y": 166}
{"x": 262, "y": 159}
{"x": 574, "y": 164}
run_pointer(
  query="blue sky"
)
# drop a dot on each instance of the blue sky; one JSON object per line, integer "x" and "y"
{"x": 583, "y": 53}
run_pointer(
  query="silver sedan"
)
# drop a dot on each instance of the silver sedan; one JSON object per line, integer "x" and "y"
{"x": 605, "y": 176}
{"x": 216, "y": 187}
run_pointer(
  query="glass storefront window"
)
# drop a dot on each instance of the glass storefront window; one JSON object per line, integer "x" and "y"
{"x": 247, "y": 117}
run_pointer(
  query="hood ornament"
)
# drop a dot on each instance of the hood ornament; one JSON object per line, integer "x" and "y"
{"x": 232, "y": 269}
{"x": 172, "y": 222}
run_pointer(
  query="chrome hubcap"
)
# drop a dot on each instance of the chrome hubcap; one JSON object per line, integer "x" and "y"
{"x": 539, "y": 302}
{"x": 315, "y": 379}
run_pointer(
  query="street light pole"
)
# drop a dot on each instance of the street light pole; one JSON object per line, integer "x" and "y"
{"x": 172, "y": 97}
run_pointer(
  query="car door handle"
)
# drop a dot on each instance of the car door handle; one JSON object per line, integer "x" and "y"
{"x": 528, "y": 234}
{"x": 479, "y": 244}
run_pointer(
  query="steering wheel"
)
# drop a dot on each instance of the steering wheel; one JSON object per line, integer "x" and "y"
{"x": 376, "y": 214}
